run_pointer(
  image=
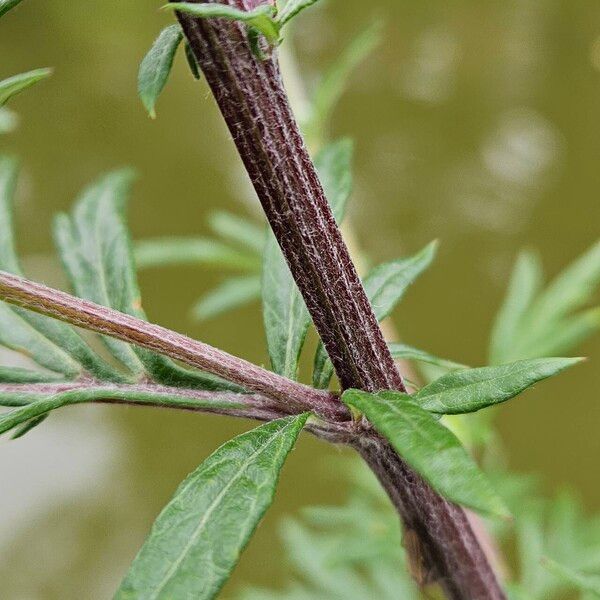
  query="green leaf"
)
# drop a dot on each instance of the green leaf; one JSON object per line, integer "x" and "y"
{"x": 192, "y": 62}
{"x": 525, "y": 283}
{"x": 6, "y": 5}
{"x": 285, "y": 315}
{"x": 238, "y": 230}
{"x": 291, "y": 9}
{"x": 13, "y": 85}
{"x": 156, "y": 66}
{"x": 8, "y": 120}
{"x": 572, "y": 289}
{"x": 18, "y": 375}
{"x": 429, "y": 448}
{"x": 334, "y": 82}
{"x": 405, "y": 352}
{"x": 232, "y": 293}
{"x": 334, "y": 165}
{"x": 581, "y": 581}
{"x": 167, "y": 251}
{"x": 385, "y": 286}
{"x": 28, "y": 426}
{"x": 50, "y": 343}
{"x": 260, "y": 18}
{"x": 473, "y": 389}
{"x": 94, "y": 247}
{"x": 197, "y": 539}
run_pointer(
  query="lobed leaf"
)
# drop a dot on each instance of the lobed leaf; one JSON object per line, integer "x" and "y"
{"x": 167, "y": 251}
{"x": 429, "y": 448}
{"x": 17, "y": 83}
{"x": 232, "y": 293}
{"x": 260, "y": 18}
{"x": 50, "y": 343}
{"x": 6, "y": 5}
{"x": 473, "y": 389}
{"x": 197, "y": 539}
{"x": 155, "y": 67}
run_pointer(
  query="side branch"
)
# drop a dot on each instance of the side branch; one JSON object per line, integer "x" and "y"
{"x": 62, "y": 306}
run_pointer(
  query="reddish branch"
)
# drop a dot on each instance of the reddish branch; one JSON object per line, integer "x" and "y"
{"x": 253, "y": 101}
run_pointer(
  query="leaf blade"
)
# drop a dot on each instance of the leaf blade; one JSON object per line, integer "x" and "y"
{"x": 156, "y": 65}
{"x": 6, "y": 5}
{"x": 473, "y": 389}
{"x": 178, "y": 559}
{"x": 232, "y": 293}
{"x": 17, "y": 83}
{"x": 429, "y": 448}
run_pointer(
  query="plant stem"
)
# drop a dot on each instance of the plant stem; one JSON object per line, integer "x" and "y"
{"x": 253, "y": 101}
{"x": 53, "y": 303}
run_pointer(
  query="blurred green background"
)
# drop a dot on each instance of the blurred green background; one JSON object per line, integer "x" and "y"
{"x": 475, "y": 122}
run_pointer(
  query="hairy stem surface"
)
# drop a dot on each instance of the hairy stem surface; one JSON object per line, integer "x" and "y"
{"x": 253, "y": 101}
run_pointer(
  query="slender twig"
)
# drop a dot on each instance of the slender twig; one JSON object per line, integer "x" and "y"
{"x": 252, "y": 99}
{"x": 100, "y": 319}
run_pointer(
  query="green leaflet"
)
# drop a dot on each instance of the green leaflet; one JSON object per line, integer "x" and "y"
{"x": 525, "y": 283}
{"x": 192, "y": 62}
{"x": 192, "y": 251}
{"x": 50, "y": 343}
{"x": 429, "y": 448}
{"x": 156, "y": 66}
{"x": 473, "y": 389}
{"x": 94, "y": 247}
{"x": 385, "y": 286}
{"x": 260, "y": 18}
{"x": 285, "y": 315}
{"x": 291, "y": 8}
{"x": 405, "y": 352}
{"x": 13, "y": 85}
{"x": 332, "y": 85}
{"x": 581, "y": 581}
{"x": 96, "y": 252}
{"x": 197, "y": 539}
{"x": 232, "y": 293}
{"x": 6, "y": 5}
{"x": 18, "y": 375}
{"x": 535, "y": 322}
{"x": 238, "y": 230}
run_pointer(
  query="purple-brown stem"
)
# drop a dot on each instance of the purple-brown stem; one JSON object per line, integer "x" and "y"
{"x": 57, "y": 304}
{"x": 253, "y": 101}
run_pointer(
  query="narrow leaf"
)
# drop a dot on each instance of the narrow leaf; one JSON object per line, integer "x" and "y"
{"x": 238, "y": 230}
{"x": 334, "y": 82}
{"x": 387, "y": 284}
{"x": 192, "y": 62}
{"x": 291, "y": 9}
{"x": 334, "y": 165}
{"x": 231, "y": 294}
{"x": 6, "y": 5}
{"x": 197, "y": 539}
{"x": 405, "y": 352}
{"x": 162, "y": 252}
{"x": 156, "y": 66}
{"x": 13, "y": 85}
{"x": 582, "y": 581}
{"x": 473, "y": 389}
{"x": 570, "y": 290}
{"x": 285, "y": 315}
{"x": 429, "y": 448}
{"x": 525, "y": 283}
{"x": 8, "y": 120}
{"x": 18, "y": 375}
{"x": 260, "y": 18}
{"x": 24, "y": 429}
